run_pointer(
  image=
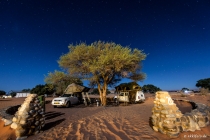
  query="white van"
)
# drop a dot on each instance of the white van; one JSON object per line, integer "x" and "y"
{"x": 132, "y": 97}
{"x": 140, "y": 96}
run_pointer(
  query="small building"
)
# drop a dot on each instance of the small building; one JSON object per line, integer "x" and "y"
{"x": 22, "y": 94}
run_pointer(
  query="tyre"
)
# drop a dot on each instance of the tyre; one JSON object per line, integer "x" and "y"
{"x": 68, "y": 104}
{"x": 55, "y": 106}
{"x": 79, "y": 102}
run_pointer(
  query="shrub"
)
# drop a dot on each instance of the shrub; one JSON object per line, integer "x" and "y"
{"x": 183, "y": 95}
{"x": 204, "y": 91}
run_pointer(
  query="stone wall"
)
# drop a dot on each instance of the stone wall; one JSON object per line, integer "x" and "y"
{"x": 29, "y": 119}
{"x": 168, "y": 119}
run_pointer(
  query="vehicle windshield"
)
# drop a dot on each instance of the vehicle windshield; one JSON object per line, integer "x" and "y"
{"x": 66, "y": 95}
{"x": 122, "y": 94}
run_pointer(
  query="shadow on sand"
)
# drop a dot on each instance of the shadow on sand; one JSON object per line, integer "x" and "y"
{"x": 51, "y": 117}
{"x": 5, "y": 99}
{"x": 150, "y": 122}
{"x": 52, "y": 114}
{"x": 52, "y": 124}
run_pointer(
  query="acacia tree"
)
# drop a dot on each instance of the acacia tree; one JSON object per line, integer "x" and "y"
{"x": 151, "y": 88}
{"x": 39, "y": 89}
{"x": 203, "y": 83}
{"x": 103, "y": 64}
{"x": 2, "y": 92}
{"x": 58, "y": 81}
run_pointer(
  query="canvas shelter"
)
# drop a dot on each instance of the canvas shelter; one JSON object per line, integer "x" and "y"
{"x": 81, "y": 91}
{"x": 127, "y": 87}
{"x": 75, "y": 88}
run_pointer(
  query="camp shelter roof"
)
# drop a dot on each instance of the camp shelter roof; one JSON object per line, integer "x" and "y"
{"x": 128, "y": 86}
{"x": 72, "y": 88}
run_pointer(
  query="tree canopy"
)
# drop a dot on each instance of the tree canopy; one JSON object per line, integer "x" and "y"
{"x": 58, "y": 81}
{"x": 103, "y": 64}
{"x": 203, "y": 83}
{"x": 95, "y": 91}
{"x": 26, "y": 90}
{"x": 150, "y": 88}
{"x": 41, "y": 90}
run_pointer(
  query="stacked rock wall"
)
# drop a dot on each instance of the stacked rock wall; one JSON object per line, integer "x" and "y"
{"x": 200, "y": 115}
{"x": 168, "y": 119}
{"x": 29, "y": 119}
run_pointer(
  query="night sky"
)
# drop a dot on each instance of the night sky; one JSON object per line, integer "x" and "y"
{"x": 174, "y": 33}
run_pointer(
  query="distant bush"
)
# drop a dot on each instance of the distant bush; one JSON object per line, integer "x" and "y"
{"x": 150, "y": 88}
{"x": 2, "y": 92}
{"x": 204, "y": 91}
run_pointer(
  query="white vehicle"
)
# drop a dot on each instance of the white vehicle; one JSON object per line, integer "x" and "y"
{"x": 187, "y": 91}
{"x": 66, "y": 100}
{"x": 5, "y": 96}
{"x": 133, "y": 97}
{"x": 122, "y": 97}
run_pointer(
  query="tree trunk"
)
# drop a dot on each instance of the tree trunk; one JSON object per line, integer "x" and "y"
{"x": 99, "y": 89}
{"x": 104, "y": 98}
{"x": 101, "y": 98}
{"x": 104, "y": 94}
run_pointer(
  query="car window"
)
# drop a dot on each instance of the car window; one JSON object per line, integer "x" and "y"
{"x": 65, "y": 95}
{"x": 121, "y": 94}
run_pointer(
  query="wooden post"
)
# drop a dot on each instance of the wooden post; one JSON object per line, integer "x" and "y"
{"x": 124, "y": 99}
{"x": 83, "y": 96}
{"x": 88, "y": 97}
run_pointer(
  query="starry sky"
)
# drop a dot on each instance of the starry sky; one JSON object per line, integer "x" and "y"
{"x": 174, "y": 33}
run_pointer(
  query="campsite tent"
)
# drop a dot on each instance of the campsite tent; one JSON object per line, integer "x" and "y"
{"x": 79, "y": 90}
{"x": 128, "y": 86}
{"x": 74, "y": 88}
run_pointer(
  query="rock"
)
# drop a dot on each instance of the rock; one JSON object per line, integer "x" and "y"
{"x": 162, "y": 100}
{"x": 193, "y": 125}
{"x": 7, "y": 122}
{"x": 20, "y": 132}
{"x": 14, "y": 125}
{"x": 172, "y": 134}
{"x": 29, "y": 119}
{"x": 23, "y": 122}
{"x": 37, "y": 123}
{"x": 171, "y": 116}
{"x": 164, "y": 111}
{"x": 21, "y": 138}
{"x": 161, "y": 130}
{"x": 14, "y": 119}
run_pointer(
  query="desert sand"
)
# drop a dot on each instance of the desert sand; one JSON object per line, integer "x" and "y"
{"x": 122, "y": 122}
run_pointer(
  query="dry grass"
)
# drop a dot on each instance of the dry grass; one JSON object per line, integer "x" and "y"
{"x": 204, "y": 91}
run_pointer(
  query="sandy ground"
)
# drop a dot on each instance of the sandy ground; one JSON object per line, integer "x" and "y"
{"x": 106, "y": 123}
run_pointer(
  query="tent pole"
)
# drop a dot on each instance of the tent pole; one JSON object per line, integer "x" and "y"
{"x": 88, "y": 97}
